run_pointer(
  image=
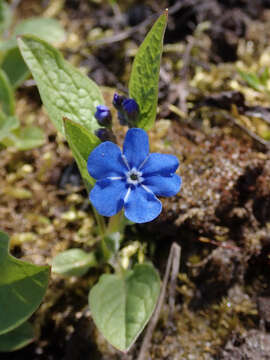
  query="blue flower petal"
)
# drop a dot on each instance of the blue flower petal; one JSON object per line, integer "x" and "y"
{"x": 106, "y": 161}
{"x": 107, "y": 196}
{"x": 136, "y": 147}
{"x": 163, "y": 185}
{"x": 141, "y": 206}
{"x": 160, "y": 164}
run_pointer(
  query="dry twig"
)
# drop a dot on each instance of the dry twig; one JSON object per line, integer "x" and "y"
{"x": 140, "y": 27}
{"x": 173, "y": 268}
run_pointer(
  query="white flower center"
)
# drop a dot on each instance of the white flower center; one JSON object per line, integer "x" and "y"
{"x": 134, "y": 176}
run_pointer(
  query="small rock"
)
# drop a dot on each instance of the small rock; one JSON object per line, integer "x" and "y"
{"x": 254, "y": 345}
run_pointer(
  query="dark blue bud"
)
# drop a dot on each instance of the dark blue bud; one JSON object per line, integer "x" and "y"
{"x": 105, "y": 134}
{"x": 103, "y": 115}
{"x": 131, "y": 110}
{"x": 117, "y": 101}
{"x": 121, "y": 118}
{"x": 130, "y": 106}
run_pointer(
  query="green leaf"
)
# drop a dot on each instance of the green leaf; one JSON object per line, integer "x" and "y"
{"x": 7, "y": 124}
{"x": 143, "y": 83}
{"x": 81, "y": 142}
{"x": 252, "y": 80}
{"x": 64, "y": 90}
{"x": 264, "y": 77}
{"x": 5, "y": 16}
{"x": 113, "y": 240}
{"x": 17, "y": 338}
{"x": 22, "y": 287}
{"x": 15, "y": 67}
{"x": 48, "y": 29}
{"x": 73, "y": 262}
{"x": 7, "y": 98}
{"x": 122, "y": 306}
{"x": 25, "y": 138}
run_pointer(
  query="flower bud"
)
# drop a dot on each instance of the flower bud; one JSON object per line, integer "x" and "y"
{"x": 122, "y": 118}
{"x": 103, "y": 115}
{"x": 128, "y": 110}
{"x": 117, "y": 101}
{"x": 131, "y": 111}
{"x": 105, "y": 134}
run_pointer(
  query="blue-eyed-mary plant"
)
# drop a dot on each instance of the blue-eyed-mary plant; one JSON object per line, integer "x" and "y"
{"x": 122, "y": 184}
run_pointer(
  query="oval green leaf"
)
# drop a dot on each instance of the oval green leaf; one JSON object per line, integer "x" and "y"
{"x": 15, "y": 67}
{"x": 25, "y": 138}
{"x": 65, "y": 91}
{"x": 122, "y": 306}
{"x": 47, "y": 29}
{"x": 73, "y": 262}
{"x": 7, "y": 98}
{"x": 22, "y": 287}
{"x": 18, "y": 338}
{"x": 5, "y": 16}
{"x": 7, "y": 124}
{"x": 143, "y": 83}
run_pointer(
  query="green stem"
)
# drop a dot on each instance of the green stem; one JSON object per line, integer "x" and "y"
{"x": 100, "y": 222}
{"x": 105, "y": 252}
{"x": 102, "y": 232}
{"x": 115, "y": 223}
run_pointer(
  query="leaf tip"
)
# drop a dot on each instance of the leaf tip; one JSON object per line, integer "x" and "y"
{"x": 19, "y": 38}
{"x": 65, "y": 122}
{"x": 166, "y": 12}
{"x": 65, "y": 119}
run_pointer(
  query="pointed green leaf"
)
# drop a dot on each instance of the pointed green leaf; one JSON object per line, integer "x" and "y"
{"x": 7, "y": 98}
{"x": 81, "y": 142}
{"x": 122, "y": 306}
{"x": 73, "y": 262}
{"x": 22, "y": 287}
{"x": 17, "y": 338}
{"x": 143, "y": 83}
{"x": 64, "y": 90}
{"x": 7, "y": 124}
{"x": 25, "y": 138}
{"x": 15, "y": 67}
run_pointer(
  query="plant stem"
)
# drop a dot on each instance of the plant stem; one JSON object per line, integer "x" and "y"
{"x": 115, "y": 223}
{"x": 102, "y": 232}
{"x": 89, "y": 184}
{"x": 100, "y": 222}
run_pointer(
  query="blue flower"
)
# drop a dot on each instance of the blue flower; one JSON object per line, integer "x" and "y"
{"x": 133, "y": 179}
{"x": 103, "y": 115}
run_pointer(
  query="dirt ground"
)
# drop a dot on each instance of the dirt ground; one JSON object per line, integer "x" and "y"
{"x": 219, "y": 128}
